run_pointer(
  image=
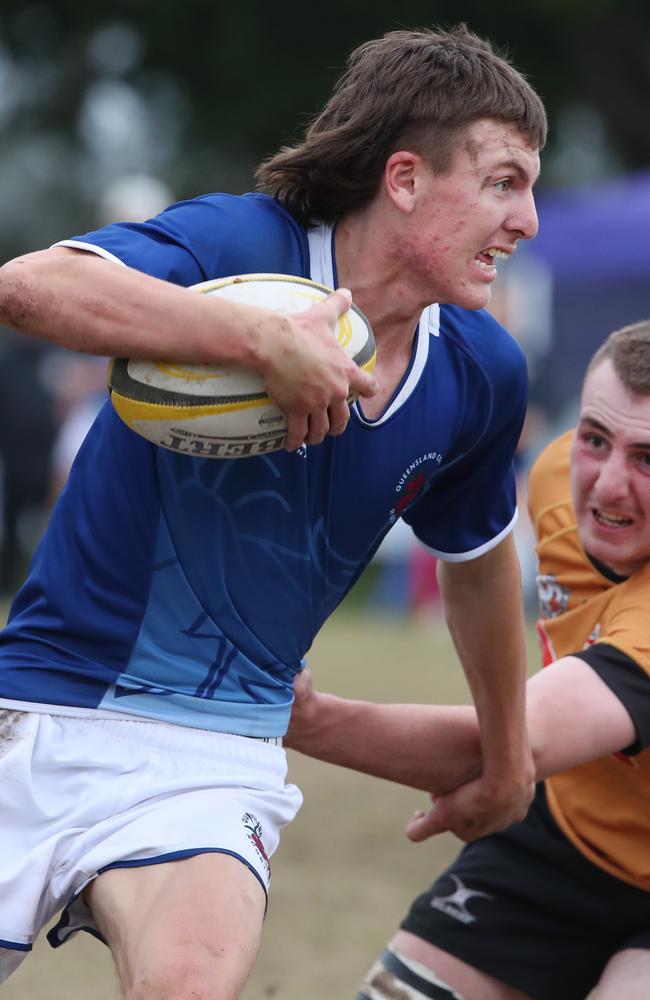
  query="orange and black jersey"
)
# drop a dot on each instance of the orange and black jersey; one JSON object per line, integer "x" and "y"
{"x": 603, "y": 807}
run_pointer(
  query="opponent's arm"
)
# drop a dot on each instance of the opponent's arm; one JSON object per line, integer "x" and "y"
{"x": 85, "y": 303}
{"x": 430, "y": 747}
{"x": 573, "y": 717}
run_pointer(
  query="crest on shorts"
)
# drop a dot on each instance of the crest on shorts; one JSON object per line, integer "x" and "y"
{"x": 553, "y": 597}
{"x": 254, "y": 827}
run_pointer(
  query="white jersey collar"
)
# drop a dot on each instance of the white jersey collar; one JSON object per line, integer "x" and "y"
{"x": 322, "y": 270}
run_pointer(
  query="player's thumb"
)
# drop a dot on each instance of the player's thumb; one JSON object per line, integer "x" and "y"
{"x": 423, "y": 825}
{"x": 334, "y": 305}
{"x": 341, "y": 299}
{"x": 362, "y": 383}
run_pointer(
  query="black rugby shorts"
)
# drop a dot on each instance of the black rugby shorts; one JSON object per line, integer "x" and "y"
{"x": 526, "y": 907}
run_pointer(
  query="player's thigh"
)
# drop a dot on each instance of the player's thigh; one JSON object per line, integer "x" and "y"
{"x": 627, "y": 975}
{"x": 428, "y": 970}
{"x": 184, "y": 928}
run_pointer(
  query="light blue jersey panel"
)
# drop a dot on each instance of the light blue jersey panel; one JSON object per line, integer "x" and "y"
{"x": 186, "y": 669}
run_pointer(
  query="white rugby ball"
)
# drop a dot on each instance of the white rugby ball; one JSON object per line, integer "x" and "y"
{"x": 214, "y": 411}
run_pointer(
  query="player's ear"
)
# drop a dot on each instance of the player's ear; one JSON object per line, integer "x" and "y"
{"x": 400, "y": 178}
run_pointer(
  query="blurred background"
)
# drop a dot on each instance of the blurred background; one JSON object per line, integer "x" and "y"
{"x": 111, "y": 111}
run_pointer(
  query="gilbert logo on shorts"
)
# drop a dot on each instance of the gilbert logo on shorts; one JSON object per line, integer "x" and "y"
{"x": 254, "y": 828}
{"x": 455, "y": 905}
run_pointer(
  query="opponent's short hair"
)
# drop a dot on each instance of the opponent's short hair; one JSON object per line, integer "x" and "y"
{"x": 412, "y": 90}
{"x": 629, "y": 351}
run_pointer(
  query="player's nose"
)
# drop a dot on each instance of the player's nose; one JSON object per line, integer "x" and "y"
{"x": 613, "y": 481}
{"x": 524, "y": 217}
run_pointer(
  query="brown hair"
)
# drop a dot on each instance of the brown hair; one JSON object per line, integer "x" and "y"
{"x": 629, "y": 351}
{"x": 409, "y": 89}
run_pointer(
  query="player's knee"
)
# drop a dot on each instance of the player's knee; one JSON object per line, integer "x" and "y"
{"x": 394, "y": 976}
{"x": 154, "y": 987}
{"x": 186, "y": 974}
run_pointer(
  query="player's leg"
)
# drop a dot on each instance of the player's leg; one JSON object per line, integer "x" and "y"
{"x": 519, "y": 914}
{"x": 626, "y": 975}
{"x": 184, "y": 929}
{"x": 10, "y": 959}
{"x": 414, "y": 969}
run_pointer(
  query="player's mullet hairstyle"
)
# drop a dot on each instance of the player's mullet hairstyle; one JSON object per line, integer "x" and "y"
{"x": 408, "y": 90}
{"x": 629, "y": 351}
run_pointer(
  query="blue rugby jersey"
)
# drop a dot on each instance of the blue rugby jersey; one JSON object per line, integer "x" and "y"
{"x": 188, "y": 590}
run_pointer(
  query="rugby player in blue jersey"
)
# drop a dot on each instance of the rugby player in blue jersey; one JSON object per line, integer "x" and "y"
{"x": 147, "y": 668}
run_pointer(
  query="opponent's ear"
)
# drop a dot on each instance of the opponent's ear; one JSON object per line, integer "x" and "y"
{"x": 400, "y": 175}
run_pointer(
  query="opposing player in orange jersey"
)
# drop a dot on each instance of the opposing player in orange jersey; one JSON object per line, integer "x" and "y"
{"x": 559, "y": 904}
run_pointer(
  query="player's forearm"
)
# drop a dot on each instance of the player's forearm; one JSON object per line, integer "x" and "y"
{"x": 85, "y": 303}
{"x": 431, "y": 747}
{"x": 485, "y": 617}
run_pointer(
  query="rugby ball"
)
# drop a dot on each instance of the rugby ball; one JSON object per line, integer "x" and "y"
{"x": 213, "y": 411}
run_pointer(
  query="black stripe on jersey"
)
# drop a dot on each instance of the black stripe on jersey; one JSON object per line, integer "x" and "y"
{"x": 605, "y": 570}
{"x": 628, "y": 681}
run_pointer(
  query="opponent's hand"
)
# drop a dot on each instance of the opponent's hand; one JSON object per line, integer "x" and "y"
{"x": 308, "y": 375}
{"x": 304, "y": 710}
{"x": 473, "y": 810}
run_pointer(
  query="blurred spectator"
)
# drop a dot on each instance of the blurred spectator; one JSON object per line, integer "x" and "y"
{"x": 82, "y": 382}
{"x": 424, "y": 592}
{"x": 53, "y": 396}
{"x": 406, "y": 582}
{"x": 28, "y": 424}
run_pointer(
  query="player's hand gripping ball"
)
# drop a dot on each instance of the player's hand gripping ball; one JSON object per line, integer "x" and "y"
{"x": 213, "y": 411}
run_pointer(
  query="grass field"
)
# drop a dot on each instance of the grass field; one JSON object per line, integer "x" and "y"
{"x": 344, "y": 872}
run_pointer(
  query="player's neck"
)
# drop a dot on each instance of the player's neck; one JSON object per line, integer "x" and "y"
{"x": 365, "y": 267}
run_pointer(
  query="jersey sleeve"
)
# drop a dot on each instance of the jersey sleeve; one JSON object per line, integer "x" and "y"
{"x": 549, "y": 488}
{"x": 471, "y": 505}
{"x": 208, "y": 237}
{"x": 628, "y": 681}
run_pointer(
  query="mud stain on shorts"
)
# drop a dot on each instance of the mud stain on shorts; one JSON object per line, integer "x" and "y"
{"x": 10, "y": 729}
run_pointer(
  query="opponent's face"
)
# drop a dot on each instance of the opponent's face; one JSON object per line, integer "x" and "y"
{"x": 610, "y": 472}
{"x": 463, "y": 221}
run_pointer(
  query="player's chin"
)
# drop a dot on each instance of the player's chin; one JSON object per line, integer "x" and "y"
{"x": 474, "y": 297}
{"x": 613, "y": 552}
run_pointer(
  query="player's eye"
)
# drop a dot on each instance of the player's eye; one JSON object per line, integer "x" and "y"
{"x": 503, "y": 185}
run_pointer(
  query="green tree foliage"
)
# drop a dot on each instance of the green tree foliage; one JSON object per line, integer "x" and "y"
{"x": 197, "y": 93}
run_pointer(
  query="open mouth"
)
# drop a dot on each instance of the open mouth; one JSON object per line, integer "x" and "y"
{"x": 487, "y": 258}
{"x": 611, "y": 520}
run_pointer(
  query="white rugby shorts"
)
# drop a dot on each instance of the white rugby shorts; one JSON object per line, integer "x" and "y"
{"x": 81, "y": 795}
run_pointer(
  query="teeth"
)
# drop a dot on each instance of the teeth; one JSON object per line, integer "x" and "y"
{"x": 613, "y": 519}
{"x": 493, "y": 253}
